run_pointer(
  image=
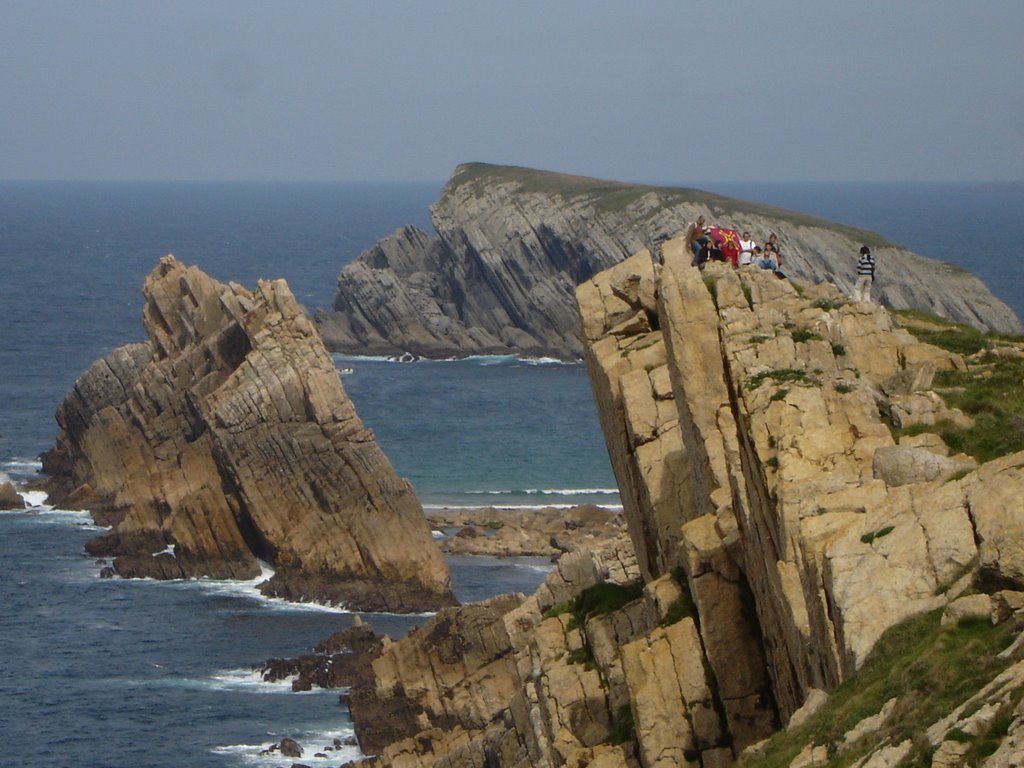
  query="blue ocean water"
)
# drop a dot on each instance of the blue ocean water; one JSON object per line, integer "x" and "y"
{"x": 127, "y": 673}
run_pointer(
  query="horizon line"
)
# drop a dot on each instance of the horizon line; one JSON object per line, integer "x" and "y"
{"x": 660, "y": 183}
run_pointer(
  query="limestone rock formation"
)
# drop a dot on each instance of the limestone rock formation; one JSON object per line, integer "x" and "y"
{"x": 766, "y": 558}
{"x": 512, "y": 245}
{"x": 227, "y": 439}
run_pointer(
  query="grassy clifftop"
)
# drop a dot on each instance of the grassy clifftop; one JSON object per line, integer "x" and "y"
{"x": 613, "y": 196}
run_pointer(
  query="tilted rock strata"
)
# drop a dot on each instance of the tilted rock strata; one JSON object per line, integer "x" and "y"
{"x": 227, "y": 438}
{"x": 512, "y": 245}
{"x": 496, "y": 683}
{"x": 742, "y": 414}
{"x": 777, "y": 443}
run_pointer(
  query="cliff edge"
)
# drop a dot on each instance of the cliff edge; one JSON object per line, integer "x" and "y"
{"x": 512, "y": 244}
{"x": 811, "y": 574}
{"x": 226, "y": 440}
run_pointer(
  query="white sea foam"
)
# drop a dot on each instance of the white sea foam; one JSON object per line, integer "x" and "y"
{"x": 340, "y": 358}
{"x": 23, "y": 464}
{"x": 406, "y": 358}
{"x": 245, "y": 680}
{"x": 34, "y": 498}
{"x": 546, "y": 492}
{"x": 249, "y": 589}
{"x": 251, "y": 681}
{"x": 47, "y": 515}
{"x": 547, "y": 361}
{"x": 537, "y": 505}
{"x": 312, "y": 743}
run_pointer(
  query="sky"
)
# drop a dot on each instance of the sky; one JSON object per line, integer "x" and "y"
{"x": 638, "y": 90}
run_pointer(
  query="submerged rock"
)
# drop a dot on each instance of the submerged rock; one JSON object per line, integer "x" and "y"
{"x": 227, "y": 439}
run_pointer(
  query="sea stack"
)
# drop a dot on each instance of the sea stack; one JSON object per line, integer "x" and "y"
{"x": 227, "y": 439}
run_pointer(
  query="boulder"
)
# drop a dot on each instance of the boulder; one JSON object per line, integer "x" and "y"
{"x": 9, "y": 497}
{"x": 289, "y": 747}
{"x": 903, "y": 465}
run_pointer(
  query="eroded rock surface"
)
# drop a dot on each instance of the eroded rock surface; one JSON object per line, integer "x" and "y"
{"x": 768, "y": 551}
{"x": 227, "y": 439}
{"x": 512, "y": 244}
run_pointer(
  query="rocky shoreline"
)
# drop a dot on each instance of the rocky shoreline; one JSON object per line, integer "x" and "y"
{"x": 536, "y": 532}
{"x": 782, "y": 523}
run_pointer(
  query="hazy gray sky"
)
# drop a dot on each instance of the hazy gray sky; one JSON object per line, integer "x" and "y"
{"x": 665, "y": 90}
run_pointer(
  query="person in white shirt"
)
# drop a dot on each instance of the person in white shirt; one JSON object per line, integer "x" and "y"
{"x": 746, "y": 250}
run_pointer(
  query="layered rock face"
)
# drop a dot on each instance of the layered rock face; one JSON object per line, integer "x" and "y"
{"x": 227, "y": 439}
{"x": 743, "y": 416}
{"x": 512, "y": 245}
{"x": 776, "y": 531}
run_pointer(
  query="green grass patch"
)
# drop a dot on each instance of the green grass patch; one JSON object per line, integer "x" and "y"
{"x": 780, "y": 394}
{"x": 989, "y": 741}
{"x": 780, "y": 376}
{"x": 712, "y": 286}
{"x": 759, "y": 339}
{"x": 955, "y": 734}
{"x": 623, "y": 727}
{"x": 747, "y": 294}
{"x": 604, "y": 598}
{"x": 583, "y": 655}
{"x": 801, "y": 336}
{"x": 961, "y": 341}
{"x": 827, "y": 304}
{"x": 838, "y": 350}
{"x": 993, "y": 395}
{"x": 955, "y": 337}
{"x": 929, "y": 669}
{"x": 557, "y": 610}
{"x": 843, "y": 388}
{"x": 867, "y": 538}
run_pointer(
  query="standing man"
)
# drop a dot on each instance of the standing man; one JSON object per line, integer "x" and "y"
{"x": 865, "y": 275}
{"x": 746, "y": 249}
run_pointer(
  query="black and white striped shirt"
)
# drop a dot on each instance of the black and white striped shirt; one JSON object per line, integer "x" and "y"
{"x": 866, "y": 265}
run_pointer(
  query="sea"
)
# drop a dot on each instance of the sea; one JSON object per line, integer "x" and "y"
{"x": 123, "y": 673}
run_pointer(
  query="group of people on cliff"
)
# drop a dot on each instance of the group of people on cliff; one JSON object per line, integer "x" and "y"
{"x": 711, "y": 243}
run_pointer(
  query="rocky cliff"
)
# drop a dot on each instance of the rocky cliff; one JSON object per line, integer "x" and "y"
{"x": 227, "y": 439}
{"x": 778, "y": 535}
{"x": 512, "y": 245}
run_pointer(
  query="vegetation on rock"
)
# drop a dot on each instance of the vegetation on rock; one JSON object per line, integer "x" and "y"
{"x": 990, "y": 390}
{"x": 929, "y": 670}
